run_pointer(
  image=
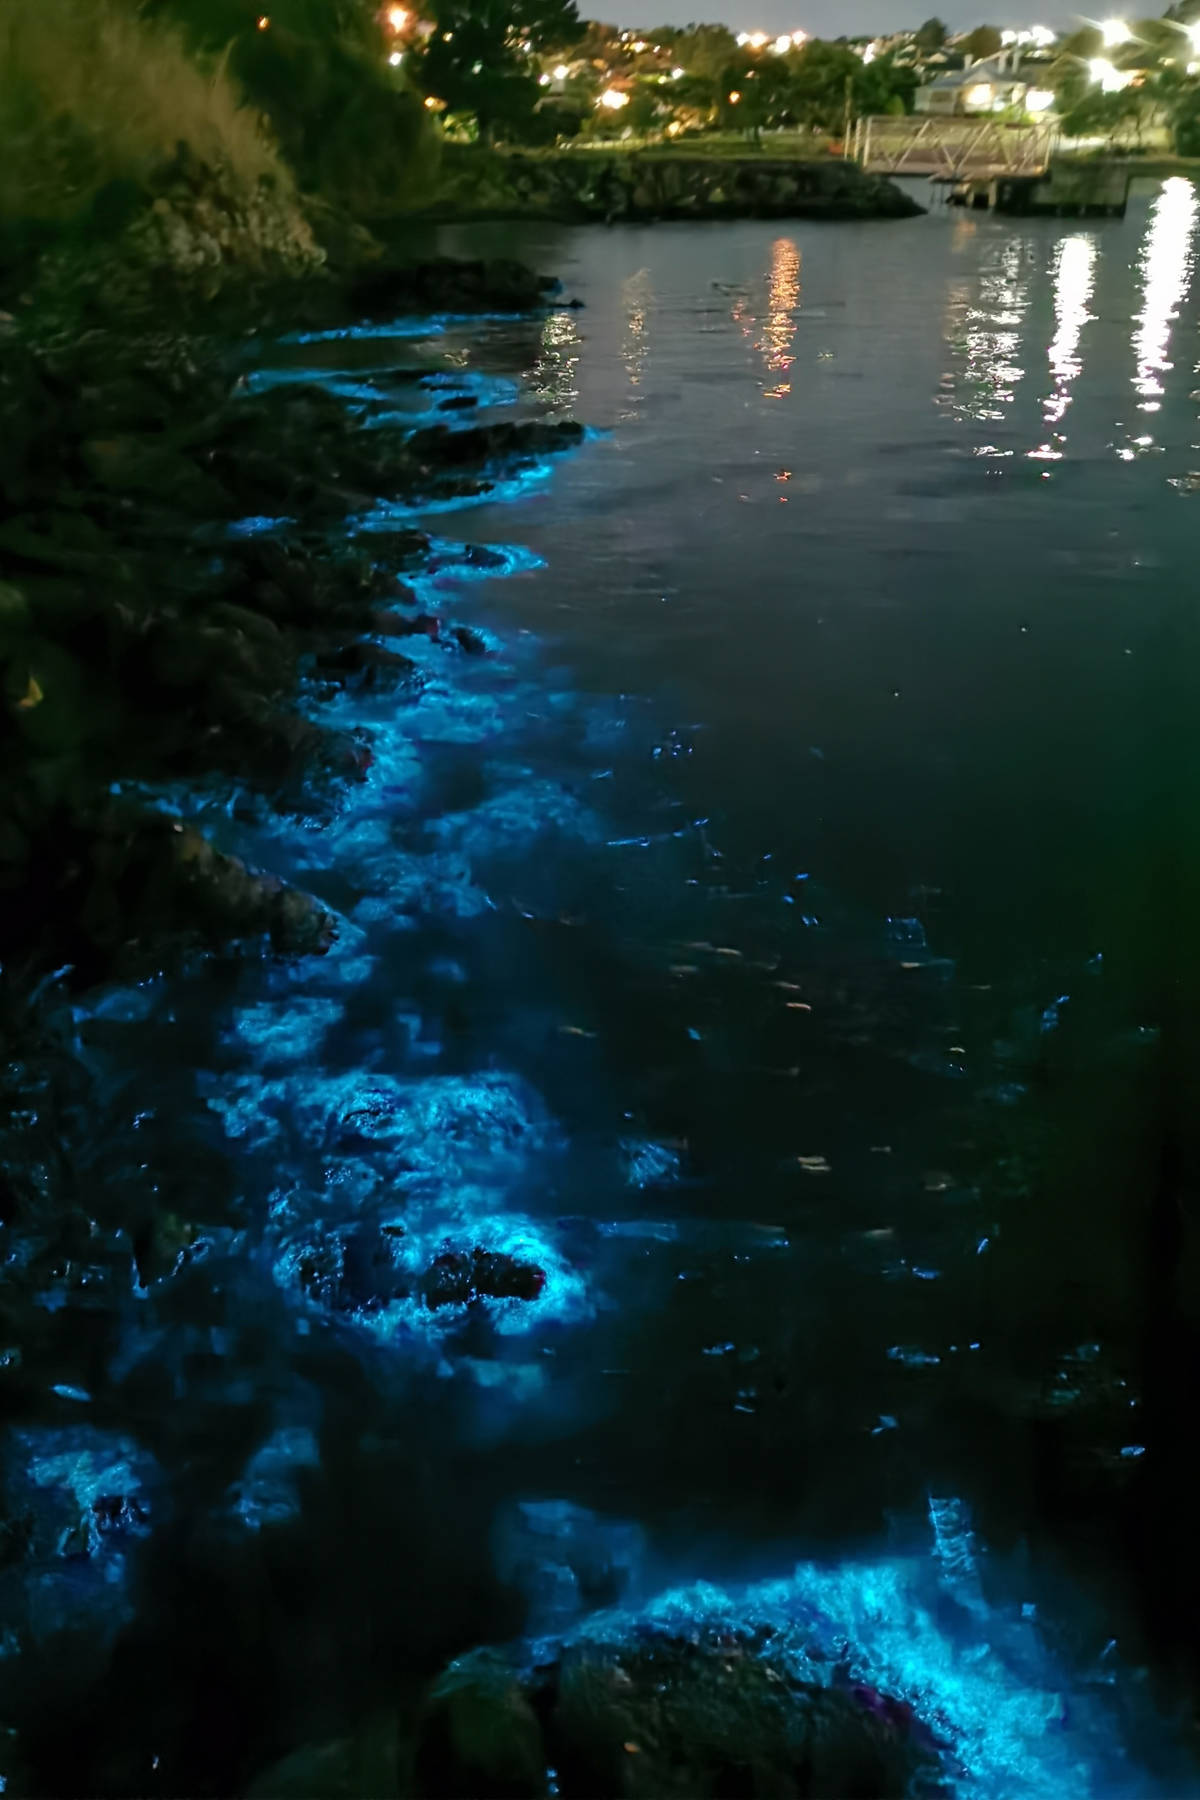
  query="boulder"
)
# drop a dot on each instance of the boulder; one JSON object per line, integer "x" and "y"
{"x": 480, "y": 1736}
{"x": 637, "y": 1710}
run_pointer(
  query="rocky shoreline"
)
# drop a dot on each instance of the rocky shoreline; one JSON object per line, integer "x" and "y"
{"x": 644, "y": 187}
{"x": 151, "y": 628}
{"x": 198, "y": 549}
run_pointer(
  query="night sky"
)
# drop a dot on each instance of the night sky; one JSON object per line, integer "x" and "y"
{"x": 835, "y": 18}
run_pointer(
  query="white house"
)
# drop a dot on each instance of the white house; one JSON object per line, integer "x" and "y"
{"x": 991, "y": 85}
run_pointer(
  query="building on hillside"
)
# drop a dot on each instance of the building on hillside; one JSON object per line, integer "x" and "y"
{"x": 994, "y": 84}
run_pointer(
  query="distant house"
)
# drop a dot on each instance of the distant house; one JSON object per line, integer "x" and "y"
{"x": 991, "y": 85}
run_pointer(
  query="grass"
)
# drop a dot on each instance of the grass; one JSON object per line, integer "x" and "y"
{"x": 721, "y": 146}
{"x": 91, "y": 94}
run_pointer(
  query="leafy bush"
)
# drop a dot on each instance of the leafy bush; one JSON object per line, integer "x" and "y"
{"x": 350, "y": 129}
{"x": 90, "y": 94}
{"x": 1185, "y": 123}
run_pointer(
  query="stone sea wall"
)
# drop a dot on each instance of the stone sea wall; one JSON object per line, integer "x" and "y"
{"x": 615, "y": 186}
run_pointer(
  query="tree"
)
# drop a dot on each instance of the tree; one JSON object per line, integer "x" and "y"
{"x": 1112, "y": 116}
{"x": 1185, "y": 123}
{"x": 931, "y": 36}
{"x": 707, "y": 52}
{"x": 825, "y": 76}
{"x": 985, "y": 40}
{"x": 478, "y": 60}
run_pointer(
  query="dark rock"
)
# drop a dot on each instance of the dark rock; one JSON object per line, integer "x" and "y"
{"x": 503, "y": 441}
{"x": 469, "y": 640}
{"x": 459, "y": 1277}
{"x": 479, "y": 1735}
{"x": 449, "y": 285}
{"x": 362, "y": 1767}
{"x": 715, "y": 1715}
{"x": 619, "y": 185}
{"x": 392, "y": 624}
{"x": 458, "y": 403}
{"x": 354, "y": 1271}
{"x": 372, "y": 666}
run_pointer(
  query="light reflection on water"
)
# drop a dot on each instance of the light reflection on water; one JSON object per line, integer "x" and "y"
{"x": 1074, "y": 283}
{"x": 1165, "y": 265}
{"x": 783, "y": 301}
{"x": 553, "y": 377}
{"x": 637, "y": 297}
{"x": 990, "y": 330}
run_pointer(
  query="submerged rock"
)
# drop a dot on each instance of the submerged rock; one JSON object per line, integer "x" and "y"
{"x": 458, "y": 1277}
{"x": 504, "y": 440}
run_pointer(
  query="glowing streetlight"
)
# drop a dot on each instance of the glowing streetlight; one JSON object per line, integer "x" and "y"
{"x": 396, "y": 58}
{"x": 1115, "y": 32}
{"x": 734, "y": 98}
{"x": 263, "y": 22}
{"x": 397, "y": 17}
{"x": 613, "y": 99}
{"x": 561, "y": 71}
{"x": 1111, "y": 81}
{"x": 783, "y": 44}
{"x": 677, "y": 74}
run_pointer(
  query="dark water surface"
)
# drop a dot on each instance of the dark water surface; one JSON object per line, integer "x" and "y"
{"x": 769, "y": 941}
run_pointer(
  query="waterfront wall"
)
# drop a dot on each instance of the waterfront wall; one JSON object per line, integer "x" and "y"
{"x": 620, "y": 185}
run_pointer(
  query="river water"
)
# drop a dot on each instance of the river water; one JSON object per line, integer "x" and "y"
{"x": 767, "y": 942}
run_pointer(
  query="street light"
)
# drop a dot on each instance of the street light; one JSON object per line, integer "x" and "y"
{"x": 397, "y": 17}
{"x": 1115, "y": 32}
{"x": 613, "y": 99}
{"x": 561, "y": 71}
{"x": 1111, "y": 80}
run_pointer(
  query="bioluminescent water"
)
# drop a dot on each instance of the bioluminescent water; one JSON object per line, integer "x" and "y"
{"x": 704, "y": 1187}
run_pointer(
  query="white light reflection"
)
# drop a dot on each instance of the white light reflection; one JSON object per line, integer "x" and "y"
{"x": 553, "y": 377}
{"x": 783, "y": 300}
{"x": 1074, "y": 284}
{"x": 985, "y": 337}
{"x": 636, "y": 297}
{"x": 1166, "y": 263}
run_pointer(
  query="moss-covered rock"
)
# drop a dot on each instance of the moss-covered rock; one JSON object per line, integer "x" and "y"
{"x": 653, "y": 1715}
{"x": 479, "y": 1735}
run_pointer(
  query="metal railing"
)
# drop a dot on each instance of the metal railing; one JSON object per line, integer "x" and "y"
{"x": 953, "y": 148}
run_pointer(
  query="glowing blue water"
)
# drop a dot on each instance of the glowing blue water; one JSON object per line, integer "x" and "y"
{"x": 704, "y": 945}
